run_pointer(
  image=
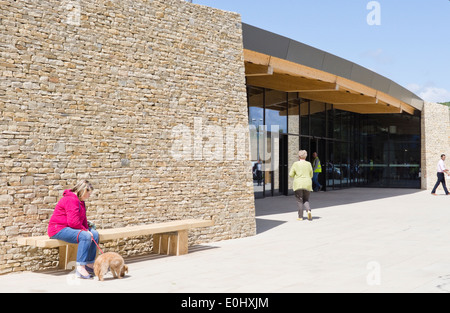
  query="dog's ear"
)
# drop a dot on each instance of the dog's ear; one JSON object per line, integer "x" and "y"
{"x": 124, "y": 270}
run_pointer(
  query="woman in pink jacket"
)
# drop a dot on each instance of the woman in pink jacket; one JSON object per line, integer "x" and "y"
{"x": 69, "y": 223}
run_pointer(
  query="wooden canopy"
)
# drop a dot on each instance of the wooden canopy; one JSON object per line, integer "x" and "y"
{"x": 266, "y": 71}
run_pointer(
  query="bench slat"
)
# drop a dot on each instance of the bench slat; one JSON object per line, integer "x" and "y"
{"x": 143, "y": 230}
{"x": 122, "y": 232}
{"x": 51, "y": 243}
{"x": 41, "y": 242}
{"x": 30, "y": 241}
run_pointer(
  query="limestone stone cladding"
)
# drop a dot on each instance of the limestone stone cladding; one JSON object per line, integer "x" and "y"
{"x": 435, "y": 141}
{"x": 141, "y": 97}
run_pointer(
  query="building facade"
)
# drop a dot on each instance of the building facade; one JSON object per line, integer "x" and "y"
{"x": 166, "y": 107}
{"x": 365, "y": 128}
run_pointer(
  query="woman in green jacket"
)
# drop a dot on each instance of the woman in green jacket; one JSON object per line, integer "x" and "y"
{"x": 302, "y": 173}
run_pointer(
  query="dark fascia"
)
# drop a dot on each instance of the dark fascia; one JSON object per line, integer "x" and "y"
{"x": 262, "y": 41}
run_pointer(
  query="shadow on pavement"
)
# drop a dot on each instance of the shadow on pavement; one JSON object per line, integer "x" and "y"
{"x": 319, "y": 200}
{"x": 131, "y": 260}
{"x": 263, "y": 225}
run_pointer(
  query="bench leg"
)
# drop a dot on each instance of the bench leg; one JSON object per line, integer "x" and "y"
{"x": 68, "y": 257}
{"x": 171, "y": 243}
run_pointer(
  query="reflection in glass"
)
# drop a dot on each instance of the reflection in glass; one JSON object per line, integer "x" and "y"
{"x": 276, "y": 110}
{"x": 256, "y": 122}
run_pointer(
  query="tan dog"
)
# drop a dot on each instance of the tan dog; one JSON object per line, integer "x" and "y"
{"x": 112, "y": 261}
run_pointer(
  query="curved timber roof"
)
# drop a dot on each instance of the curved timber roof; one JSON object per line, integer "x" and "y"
{"x": 277, "y": 62}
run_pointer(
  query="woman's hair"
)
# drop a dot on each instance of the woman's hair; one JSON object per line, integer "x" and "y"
{"x": 81, "y": 188}
{"x": 302, "y": 154}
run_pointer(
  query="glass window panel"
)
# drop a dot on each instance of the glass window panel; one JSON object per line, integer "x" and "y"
{"x": 276, "y": 110}
{"x": 271, "y": 163}
{"x": 347, "y": 125}
{"x": 332, "y": 173}
{"x": 304, "y": 145}
{"x": 281, "y": 173}
{"x": 337, "y": 127}
{"x": 318, "y": 125}
{"x": 304, "y": 117}
{"x": 256, "y": 121}
{"x": 267, "y": 161}
{"x": 255, "y": 105}
{"x": 345, "y": 164}
{"x": 330, "y": 126}
{"x": 338, "y": 169}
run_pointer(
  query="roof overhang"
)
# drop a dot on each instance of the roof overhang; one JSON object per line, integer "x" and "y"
{"x": 277, "y": 72}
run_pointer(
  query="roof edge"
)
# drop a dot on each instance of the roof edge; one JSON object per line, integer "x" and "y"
{"x": 259, "y": 40}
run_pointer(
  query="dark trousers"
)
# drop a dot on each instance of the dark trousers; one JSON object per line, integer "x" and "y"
{"x": 302, "y": 196}
{"x": 441, "y": 180}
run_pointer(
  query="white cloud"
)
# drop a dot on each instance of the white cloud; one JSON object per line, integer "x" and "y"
{"x": 379, "y": 56}
{"x": 430, "y": 93}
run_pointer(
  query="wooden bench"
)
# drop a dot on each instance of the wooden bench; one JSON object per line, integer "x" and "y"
{"x": 170, "y": 238}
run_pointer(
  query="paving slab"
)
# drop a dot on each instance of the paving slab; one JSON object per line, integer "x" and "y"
{"x": 360, "y": 241}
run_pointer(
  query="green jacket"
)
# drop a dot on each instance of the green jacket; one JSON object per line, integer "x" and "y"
{"x": 302, "y": 173}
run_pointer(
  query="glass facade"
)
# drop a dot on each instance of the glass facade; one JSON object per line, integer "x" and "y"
{"x": 356, "y": 150}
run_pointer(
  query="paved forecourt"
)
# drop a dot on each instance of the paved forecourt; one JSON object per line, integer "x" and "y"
{"x": 360, "y": 240}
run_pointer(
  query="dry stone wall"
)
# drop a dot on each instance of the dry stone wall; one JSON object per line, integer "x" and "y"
{"x": 99, "y": 90}
{"x": 435, "y": 141}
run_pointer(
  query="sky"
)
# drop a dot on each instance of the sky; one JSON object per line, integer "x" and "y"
{"x": 407, "y": 41}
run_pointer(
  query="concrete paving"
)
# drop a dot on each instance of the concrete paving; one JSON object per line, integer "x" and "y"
{"x": 360, "y": 240}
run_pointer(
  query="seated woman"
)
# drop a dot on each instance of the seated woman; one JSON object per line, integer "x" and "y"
{"x": 69, "y": 223}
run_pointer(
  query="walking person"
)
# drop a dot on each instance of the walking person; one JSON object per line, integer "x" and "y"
{"x": 69, "y": 223}
{"x": 317, "y": 168}
{"x": 441, "y": 171}
{"x": 259, "y": 176}
{"x": 302, "y": 173}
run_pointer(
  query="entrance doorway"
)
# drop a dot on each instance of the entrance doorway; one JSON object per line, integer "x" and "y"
{"x": 319, "y": 145}
{"x": 280, "y": 182}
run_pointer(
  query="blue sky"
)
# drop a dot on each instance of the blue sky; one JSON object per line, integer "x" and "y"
{"x": 411, "y": 46}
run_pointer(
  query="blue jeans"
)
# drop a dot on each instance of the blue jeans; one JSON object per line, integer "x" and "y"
{"x": 87, "y": 250}
{"x": 315, "y": 180}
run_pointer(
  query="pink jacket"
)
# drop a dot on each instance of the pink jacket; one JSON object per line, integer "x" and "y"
{"x": 69, "y": 212}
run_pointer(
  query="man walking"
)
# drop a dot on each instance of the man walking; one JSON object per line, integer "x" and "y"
{"x": 317, "y": 168}
{"x": 441, "y": 176}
